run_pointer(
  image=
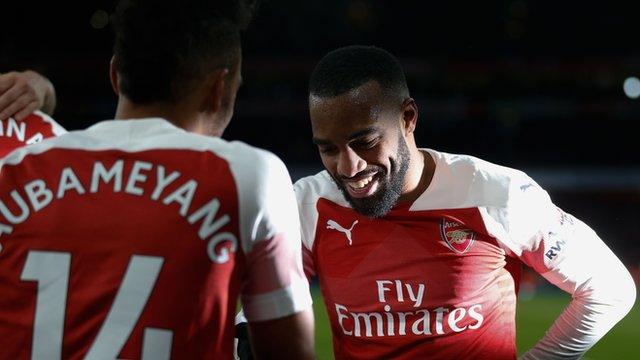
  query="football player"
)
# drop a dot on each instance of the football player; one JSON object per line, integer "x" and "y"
{"x": 416, "y": 249}
{"x": 135, "y": 237}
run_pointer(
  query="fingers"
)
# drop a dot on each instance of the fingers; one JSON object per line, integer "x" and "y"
{"x": 16, "y": 103}
{"x": 19, "y": 94}
{"x": 24, "y": 92}
{"x": 6, "y": 81}
{"x": 26, "y": 111}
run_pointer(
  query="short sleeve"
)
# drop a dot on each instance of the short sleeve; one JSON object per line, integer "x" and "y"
{"x": 274, "y": 285}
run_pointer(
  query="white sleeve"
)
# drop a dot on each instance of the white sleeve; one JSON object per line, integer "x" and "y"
{"x": 570, "y": 255}
{"x": 274, "y": 285}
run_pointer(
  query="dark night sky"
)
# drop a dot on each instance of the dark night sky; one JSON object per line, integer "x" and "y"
{"x": 520, "y": 82}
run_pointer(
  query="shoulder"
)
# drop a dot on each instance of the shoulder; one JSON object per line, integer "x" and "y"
{"x": 462, "y": 181}
{"x": 312, "y": 188}
{"x": 309, "y": 191}
{"x": 43, "y": 120}
{"x": 248, "y": 162}
{"x": 37, "y": 121}
{"x": 250, "y": 159}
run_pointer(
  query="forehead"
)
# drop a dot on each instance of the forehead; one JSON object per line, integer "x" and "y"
{"x": 340, "y": 116}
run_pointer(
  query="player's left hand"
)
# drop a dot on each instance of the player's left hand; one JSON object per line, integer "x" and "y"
{"x": 21, "y": 93}
{"x": 243, "y": 347}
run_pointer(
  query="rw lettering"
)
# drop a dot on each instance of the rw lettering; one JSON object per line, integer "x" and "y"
{"x": 555, "y": 249}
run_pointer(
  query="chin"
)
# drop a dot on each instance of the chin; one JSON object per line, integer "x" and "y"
{"x": 376, "y": 205}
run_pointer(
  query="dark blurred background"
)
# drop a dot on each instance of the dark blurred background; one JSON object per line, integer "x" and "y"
{"x": 548, "y": 87}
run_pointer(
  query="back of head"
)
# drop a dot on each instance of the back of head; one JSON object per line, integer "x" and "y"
{"x": 162, "y": 48}
{"x": 349, "y": 67}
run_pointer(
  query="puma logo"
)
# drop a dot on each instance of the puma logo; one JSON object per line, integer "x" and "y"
{"x": 347, "y": 232}
{"x": 525, "y": 187}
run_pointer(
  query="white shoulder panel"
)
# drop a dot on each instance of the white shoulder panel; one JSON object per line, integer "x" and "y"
{"x": 124, "y": 135}
{"x": 520, "y": 224}
{"x": 266, "y": 199}
{"x": 462, "y": 181}
{"x": 308, "y": 191}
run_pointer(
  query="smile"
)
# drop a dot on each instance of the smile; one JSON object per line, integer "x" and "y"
{"x": 362, "y": 187}
{"x": 361, "y": 183}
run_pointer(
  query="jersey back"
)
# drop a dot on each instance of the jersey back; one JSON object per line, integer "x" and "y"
{"x": 120, "y": 252}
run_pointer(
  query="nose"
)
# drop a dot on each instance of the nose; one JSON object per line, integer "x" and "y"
{"x": 350, "y": 163}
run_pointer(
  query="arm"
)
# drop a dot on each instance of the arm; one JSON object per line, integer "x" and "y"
{"x": 242, "y": 346}
{"x": 601, "y": 287}
{"x": 291, "y": 337}
{"x": 282, "y": 347}
{"x": 570, "y": 255}
{"x": 275, "y": 293}
{"x": 21, "y": 93}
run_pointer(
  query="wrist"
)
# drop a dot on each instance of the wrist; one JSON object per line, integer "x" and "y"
{"x": 45, "y": 87}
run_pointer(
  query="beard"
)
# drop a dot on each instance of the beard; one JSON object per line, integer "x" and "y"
{"x": 390, "y": 186}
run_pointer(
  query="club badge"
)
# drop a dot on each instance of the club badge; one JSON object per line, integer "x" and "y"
{"x": 456, "y": 236}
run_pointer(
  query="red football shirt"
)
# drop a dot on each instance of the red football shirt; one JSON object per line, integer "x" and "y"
{"x": 32, "y": 129}
{"x": 437, "y": 278}
{"x": 134, "y": 239}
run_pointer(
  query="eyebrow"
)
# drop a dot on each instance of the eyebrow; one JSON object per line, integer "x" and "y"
{"x": 357, "y": 134}
{"x": 363, "y": 132}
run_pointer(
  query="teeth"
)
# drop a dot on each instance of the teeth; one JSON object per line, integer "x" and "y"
{"x": 362, "y": 183}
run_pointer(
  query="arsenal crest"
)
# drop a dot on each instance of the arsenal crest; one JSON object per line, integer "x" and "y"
{"x": 456, "y": 236}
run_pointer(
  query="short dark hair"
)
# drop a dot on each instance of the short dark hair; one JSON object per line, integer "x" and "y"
{"x": 349, "y": 67}
{"x": 162, "y": 48}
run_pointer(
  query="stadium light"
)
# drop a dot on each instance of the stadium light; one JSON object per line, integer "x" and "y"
{"x": 631, "y": 87}
{"x": 99, "y": 19}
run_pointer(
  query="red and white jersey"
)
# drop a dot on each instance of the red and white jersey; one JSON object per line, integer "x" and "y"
{"x": 32, "y": 129}
{"x": 436, "y": 278}
{"x": 133, "y": 239}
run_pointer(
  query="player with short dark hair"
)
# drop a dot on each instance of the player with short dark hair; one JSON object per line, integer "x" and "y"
{"x": 134, "y": 238}
{"x": 164, "y": 71}
{"x": 349, "y": 68}
{"x": 414, "y": 247}
{"x": 342, "y": 70}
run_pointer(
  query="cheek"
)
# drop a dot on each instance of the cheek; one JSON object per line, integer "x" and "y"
{"x": 381, "y": 155}
{"x": 329, "y": 163}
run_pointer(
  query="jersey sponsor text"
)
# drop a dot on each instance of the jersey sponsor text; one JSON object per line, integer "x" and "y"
{"x": 421, "y": 321}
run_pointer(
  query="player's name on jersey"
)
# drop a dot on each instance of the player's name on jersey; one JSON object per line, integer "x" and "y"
{"x": 12, "y": 128}
{"x": 16, "y": 208}
{"x": 418, "y": 321}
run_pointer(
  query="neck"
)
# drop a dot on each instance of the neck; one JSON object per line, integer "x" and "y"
{"x": 419, "y": 174}
{"x": 180, "y": 115}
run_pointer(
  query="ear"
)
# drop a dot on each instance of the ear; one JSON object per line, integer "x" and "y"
{"x": 217, "y": 84}
{"x": 409, "y": 115}
{"x": 113, "y": 75}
